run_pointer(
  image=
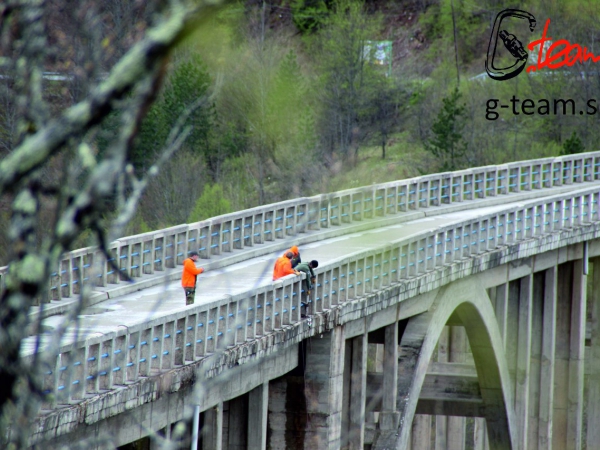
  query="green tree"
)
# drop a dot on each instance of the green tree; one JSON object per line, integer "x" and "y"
{"x": 188, "y": 84}
{"x": 572, "y": 146}
{"x": 446, "y": 142}
{"x": 211, "y": 203}
{"x": 383, "y": 109}
{"x": 345, "y": 74}
{"x": 308, "y": 15}
{"x": 264, "y": 97}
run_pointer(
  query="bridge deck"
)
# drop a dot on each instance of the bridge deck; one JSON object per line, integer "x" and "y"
{"x": 166, "y": 298}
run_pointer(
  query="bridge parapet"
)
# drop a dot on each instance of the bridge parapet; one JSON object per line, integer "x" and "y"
{"x": 159, "y": 251}
{"x": 103, "y": 362}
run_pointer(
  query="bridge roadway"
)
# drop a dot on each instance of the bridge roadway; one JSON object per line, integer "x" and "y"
{"x": 131, "y": 362}
{"x": 150, "y": 303}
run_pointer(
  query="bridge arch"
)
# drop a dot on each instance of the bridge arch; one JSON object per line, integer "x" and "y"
{"x": 467, "y": 301}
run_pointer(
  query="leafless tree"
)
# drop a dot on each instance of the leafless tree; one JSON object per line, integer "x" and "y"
{"x": 57, "y": 184}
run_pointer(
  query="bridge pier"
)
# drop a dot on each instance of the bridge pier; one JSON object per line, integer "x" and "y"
{"x": 523, "y": 296}
{"x": 457, "y": 425}
{"x": 212, "y": 430}
{"x": 258, "y": 410}
{"x": 570, "y": 341}
{"x": 388, "y": 415}
{"x": 441, "y": 422}
{"x": 324, "y": 378}
{"x": 546, "y": 401}
{"x": 593, "y": 400}
{"x": 358, "y": 387}
{"x": 421, "y": 432}
{"x": 238, "y": 423}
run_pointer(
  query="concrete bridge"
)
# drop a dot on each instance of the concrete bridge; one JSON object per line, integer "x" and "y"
{"x": 452, "y": 311}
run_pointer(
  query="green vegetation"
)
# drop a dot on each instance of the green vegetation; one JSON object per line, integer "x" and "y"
{"x": 447, "y": 143}
{"x": 572, "y": 145}
{"x": 287, "y": 100}
{"x": 299, "y": 107}
{"x": 308, "y": 15}
{"x": 211, "y": 203}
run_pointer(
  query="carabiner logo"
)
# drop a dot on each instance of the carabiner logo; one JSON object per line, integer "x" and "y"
{"x": 512, "y": 44}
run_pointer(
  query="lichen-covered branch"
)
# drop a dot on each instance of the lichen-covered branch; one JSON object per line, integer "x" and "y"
{"x": 37, "y": 148}
{"x": 82, "y": 203}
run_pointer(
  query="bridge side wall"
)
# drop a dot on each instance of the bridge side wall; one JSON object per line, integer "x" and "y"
{"x": 132, "y": 412}
{"x": 385, "y": 307}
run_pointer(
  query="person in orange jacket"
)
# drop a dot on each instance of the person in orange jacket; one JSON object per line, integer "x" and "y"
{"x": 188, "y": 278}
{"x": 283, "y": 266}
{"x": 296, "y": 256}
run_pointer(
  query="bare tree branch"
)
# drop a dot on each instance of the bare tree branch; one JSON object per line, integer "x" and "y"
{"x": 92, "y": 186}
{"x": 36, "y": 149}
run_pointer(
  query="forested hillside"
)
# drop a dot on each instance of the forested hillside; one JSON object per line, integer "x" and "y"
{"x": 286, "y": 98}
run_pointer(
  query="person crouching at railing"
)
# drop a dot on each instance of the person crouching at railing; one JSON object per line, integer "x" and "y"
{"x": 283, "y": 266}
{"x": 189, "y": 276}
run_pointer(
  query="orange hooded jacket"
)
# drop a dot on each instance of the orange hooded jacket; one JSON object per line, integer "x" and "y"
{"x": 283, "y": 267}
{"x": 190, "y": 272}
{"x": 294, "y": 250}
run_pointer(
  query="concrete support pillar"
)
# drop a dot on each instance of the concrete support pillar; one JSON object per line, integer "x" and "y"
{"x": 388, "y": 414}
{"x": 577, "y": 357}
{"x": 258, "y": 402}
{"x": 324, "y": 380}
{"x": 523, "y": 359}
{"x": 212, "y": 431}
{"x": 537, "y": 326}
{"x": 375, "y": 358}
{"x": 421, "y": 432}
{"x": 455, "y": 438}
{"x": 441, "y": 422}
{"x": 456, "y": 426}
{"x": 441, "y": 432}
{"x": 237, "y": 423}
{"x": 593, "y": 400}
{"x": 561, "y": 362}
{"x": 570, "y": 341}
{"x": 512, "y": 333}
{"x": 346, "y": 388}
{"x": 358, "y": 381}
{"x": 501, "y": 307}
{"x": 480, "y": 441}
{"x": 547, "y": 366}
{"x": 288, "y": 419}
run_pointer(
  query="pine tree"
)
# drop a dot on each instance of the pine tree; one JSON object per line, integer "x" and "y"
{"x": 447, "y": 142}
{"x": 572, "y": 145}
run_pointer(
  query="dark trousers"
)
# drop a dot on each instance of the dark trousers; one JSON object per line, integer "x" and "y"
{"x": 190, "y": 293}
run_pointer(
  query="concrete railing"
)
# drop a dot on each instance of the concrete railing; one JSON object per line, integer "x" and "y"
{"x": 123, "y": 356}
{"x": 157, "y": 251}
